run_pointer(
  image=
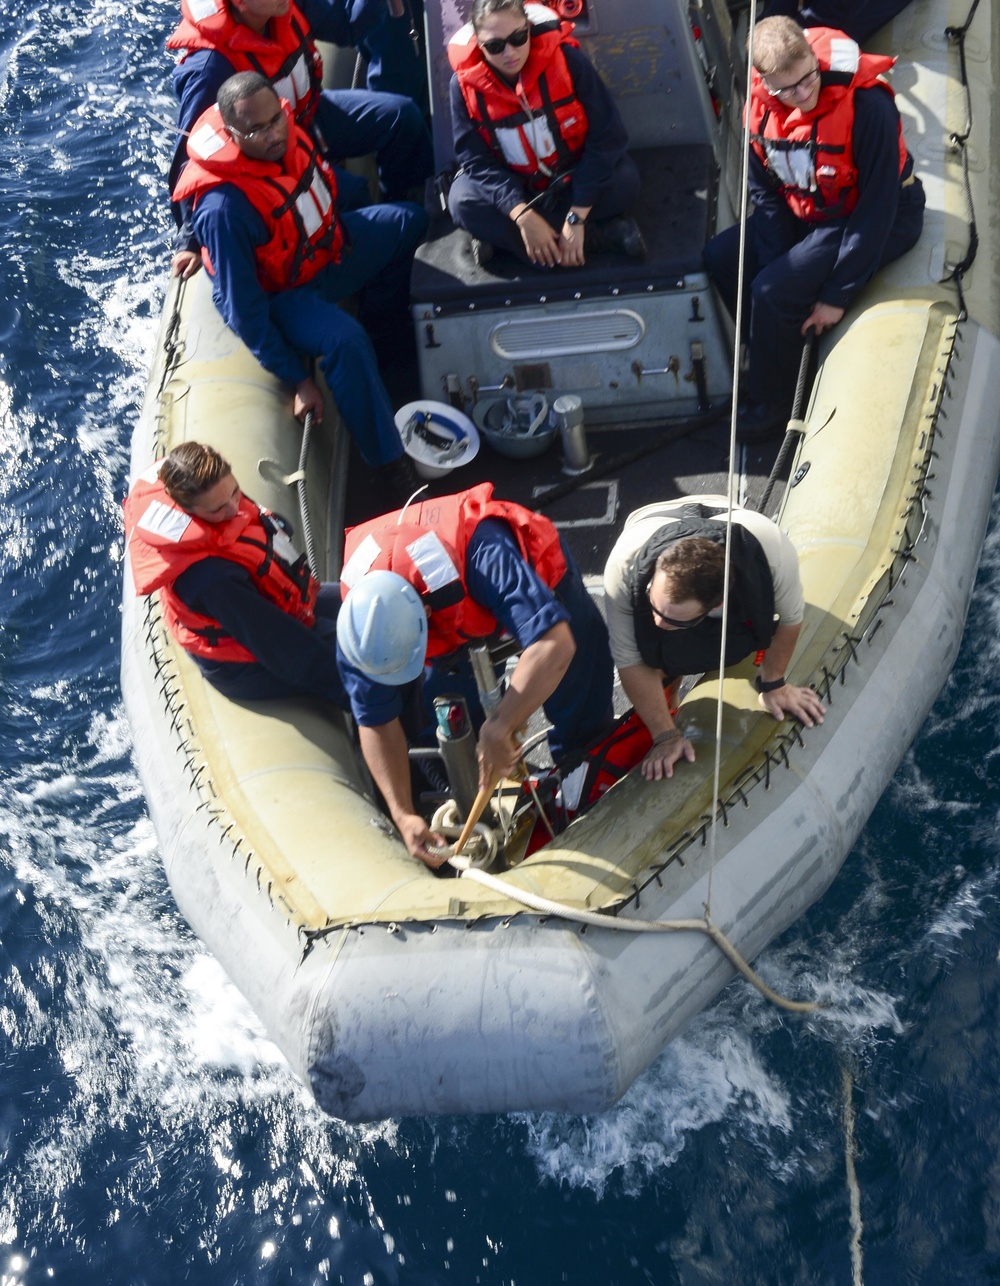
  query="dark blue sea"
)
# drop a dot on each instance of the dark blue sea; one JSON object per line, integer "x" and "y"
{"x": 150, "y": 1134}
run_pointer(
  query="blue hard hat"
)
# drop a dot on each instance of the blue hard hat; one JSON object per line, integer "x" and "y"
{"x": 382, "y": 628}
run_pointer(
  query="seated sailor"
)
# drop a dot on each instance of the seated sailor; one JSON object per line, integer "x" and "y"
{"x": 543, "y": 171}
{"x": 420, "y": 585}
{"x": 663, "y": 587}
{"x": 278, "y": 39}
{"x": 281, "y": 256}
{"x": 835, "y": 198}
{"x": 393, "y": 49}
{"x": 235, "y": 593}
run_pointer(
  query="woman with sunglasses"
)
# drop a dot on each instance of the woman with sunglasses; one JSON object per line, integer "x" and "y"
{"x": 540, "y": 145}
{"x": 663, "y": 589}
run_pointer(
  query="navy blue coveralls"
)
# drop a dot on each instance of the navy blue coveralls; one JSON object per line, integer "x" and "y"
{"x": 859, "y": 18}
{"x": 396, "y": 65}
{"x": 349, "y": 122}
{"x": 791, "y": 265}
{"x": 485, "y": 190}
{"x": 278, "y": 328}
{"x": 292, "y": 659}
{"x": 498, "y": 578}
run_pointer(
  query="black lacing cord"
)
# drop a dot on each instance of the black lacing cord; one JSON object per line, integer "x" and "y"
{"x": 960, "y": 142}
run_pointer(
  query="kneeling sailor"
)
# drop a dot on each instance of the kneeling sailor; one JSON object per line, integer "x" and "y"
{"x": 664, "y": 584}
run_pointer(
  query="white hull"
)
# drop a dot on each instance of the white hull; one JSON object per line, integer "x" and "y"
{"x": 394, "y": 993}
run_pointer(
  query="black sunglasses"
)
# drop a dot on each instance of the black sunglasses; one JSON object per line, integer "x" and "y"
{"x": 670, "y": 620}
{"x": 516, "y": 38}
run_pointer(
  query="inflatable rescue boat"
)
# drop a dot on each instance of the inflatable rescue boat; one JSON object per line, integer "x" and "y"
{"x": 392, "y": 991}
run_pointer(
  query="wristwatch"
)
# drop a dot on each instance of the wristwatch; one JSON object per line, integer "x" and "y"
{"x": 573, "y": 219}
{"x": 762, "y": 686}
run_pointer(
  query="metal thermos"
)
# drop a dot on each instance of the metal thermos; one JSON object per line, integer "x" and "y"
{"x": 568, "y": 412}
{"x": 489, "y": 686}
{"x": 457, "y": 744}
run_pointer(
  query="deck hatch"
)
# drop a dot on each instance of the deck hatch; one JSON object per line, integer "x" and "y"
{"x": 555, "y": 335}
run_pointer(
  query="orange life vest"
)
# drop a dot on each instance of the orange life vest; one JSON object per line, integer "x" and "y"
{"x": 165, "y": 540}
{"x": 810, "y": 155}
{"x": 296, "y": 198}
{"x": 537, "y": 127}
{"x": 286, "y": 54}
{"x": 428, "y": 550}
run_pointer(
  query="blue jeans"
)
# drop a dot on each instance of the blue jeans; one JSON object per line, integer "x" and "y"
{"x": 376, "y": 258}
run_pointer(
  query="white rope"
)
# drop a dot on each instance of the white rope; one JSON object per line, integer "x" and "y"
{"x": 166, "y": 124}
{"x": 547, "y": 907}
{"x": 730, "y": 481}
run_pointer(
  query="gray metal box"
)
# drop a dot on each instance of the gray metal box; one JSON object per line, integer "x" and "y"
{"x": 630, "y": 355}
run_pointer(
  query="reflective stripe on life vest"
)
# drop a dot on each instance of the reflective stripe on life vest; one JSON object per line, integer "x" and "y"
{"x": 296, "y": 198}
{"x": 428, "y": 550}
{"x": 810, "y": 155}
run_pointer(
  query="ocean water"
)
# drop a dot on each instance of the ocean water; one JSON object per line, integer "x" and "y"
{"x": 150, "y": 1134}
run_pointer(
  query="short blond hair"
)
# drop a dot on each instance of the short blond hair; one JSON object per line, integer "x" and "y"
{"x": 778, "y": 44}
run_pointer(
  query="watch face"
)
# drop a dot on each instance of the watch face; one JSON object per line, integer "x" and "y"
{"x": 573, "y": 217}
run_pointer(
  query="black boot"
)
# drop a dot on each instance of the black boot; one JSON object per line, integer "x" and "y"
{"x": 760, "y": 422}
{"x": 618, "y": 236}
{"x": 402, "y": 479}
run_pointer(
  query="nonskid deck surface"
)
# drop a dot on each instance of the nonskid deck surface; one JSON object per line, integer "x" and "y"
{"x": 674, "y": 211}
{"x": 632, "y": 467}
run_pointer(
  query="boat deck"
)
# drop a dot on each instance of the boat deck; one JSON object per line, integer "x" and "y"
{"x": 632, "y": 467}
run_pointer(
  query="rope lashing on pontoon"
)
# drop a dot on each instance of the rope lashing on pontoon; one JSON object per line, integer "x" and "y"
{"x": 300, "y": 487}
{"x": 961, "y": 144}
{"x": 173, "y": 347}
{"x": 796, "y": 425}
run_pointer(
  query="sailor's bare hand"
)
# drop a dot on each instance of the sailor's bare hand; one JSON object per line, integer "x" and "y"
{"x": 308, "y": 398}
{"x": 571, "y": 245}
{"x": 659, "y": 761}
{"x": 822, "y": 317}
{"x": 185, "y": 264}
{"x": 541, "y": 240}
{"x": 802, "y": 703}
{"x": 498, "y": 752}
{"x": 418, "y": 836}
